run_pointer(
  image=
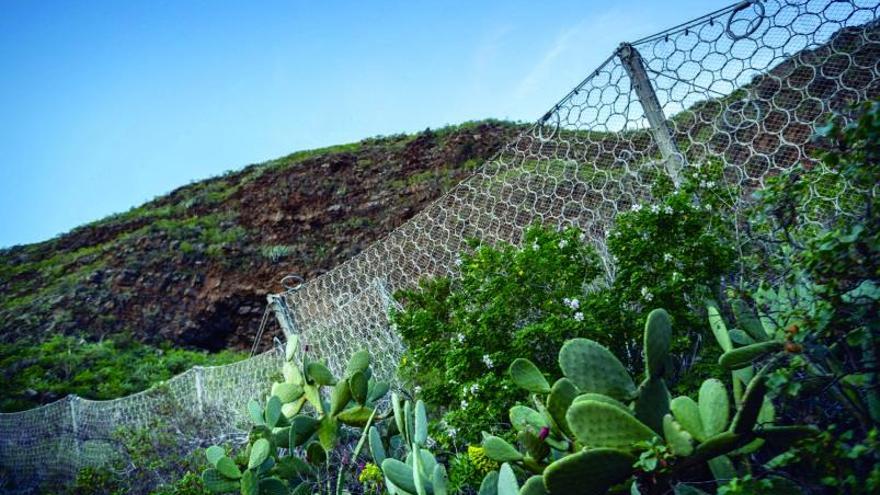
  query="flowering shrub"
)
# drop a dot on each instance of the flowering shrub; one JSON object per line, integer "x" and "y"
{"x": 510, "y": 302}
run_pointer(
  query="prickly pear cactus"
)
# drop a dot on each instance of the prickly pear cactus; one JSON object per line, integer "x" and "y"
{"x": 589, "y": 430}
{"x": 297, "y": 415}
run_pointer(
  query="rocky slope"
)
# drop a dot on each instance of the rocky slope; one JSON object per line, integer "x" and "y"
{"x": 194, "y": 266}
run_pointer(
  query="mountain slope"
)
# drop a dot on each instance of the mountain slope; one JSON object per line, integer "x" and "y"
{"x": 194, "y": 266}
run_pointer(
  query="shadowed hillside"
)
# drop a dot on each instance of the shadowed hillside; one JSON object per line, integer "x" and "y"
{"x": 194, "y": 266}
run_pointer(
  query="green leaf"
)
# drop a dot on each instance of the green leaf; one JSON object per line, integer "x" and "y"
{"x": 228, "y": 469}
{"x": 489, "y": 486}
{"x": 273, "y": 486}
{"x": 593, "y": 368}
{"x": 259, "y": 453}
{"x": 597, "y": 424}
{"x": 400, "y": 474}
{"x": 273, "y": 411}
{"x": 507, "y": 484}
{"x": 714, "y": 407}
{"x": 527, "y": 376}
{"x": 216, "y": 483}
{"x": 250, "y": 483}
{"x": 421, "y": 424}
{"x": 358, "y": 363}
{"x": 588, "y": 472}
{"x": 719, "y": 329}
{"x": 499, "y": 450}
{"x": 256, "y": 412}
{"x": 359, "y": 386}
{"x": 214, "y": 453}
{"x": 318, "y": 373}
{"x": 743, "y": 356}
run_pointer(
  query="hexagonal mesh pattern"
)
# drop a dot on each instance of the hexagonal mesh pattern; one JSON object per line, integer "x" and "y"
{"x": 746, "y": 85}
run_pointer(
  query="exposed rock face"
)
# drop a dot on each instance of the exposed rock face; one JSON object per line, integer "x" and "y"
{"x": 195, "y": 266}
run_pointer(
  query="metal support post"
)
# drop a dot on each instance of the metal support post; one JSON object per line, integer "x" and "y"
{"x": 635, "y": 68}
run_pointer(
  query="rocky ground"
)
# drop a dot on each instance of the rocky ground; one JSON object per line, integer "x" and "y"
{"x": 194, "y": 266}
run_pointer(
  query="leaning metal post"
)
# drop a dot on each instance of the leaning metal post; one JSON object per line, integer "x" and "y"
{"x": 635, "y": 69}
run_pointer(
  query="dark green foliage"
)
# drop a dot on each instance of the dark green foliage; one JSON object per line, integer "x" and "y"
{"x": 115, "y": 367}
{"x": 509, "y": 303}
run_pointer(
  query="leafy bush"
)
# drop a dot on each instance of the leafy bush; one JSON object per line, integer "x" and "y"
{"x": 508, "y": 303}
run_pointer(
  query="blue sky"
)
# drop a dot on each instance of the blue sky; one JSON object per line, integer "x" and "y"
{"x": 106, "y": 105}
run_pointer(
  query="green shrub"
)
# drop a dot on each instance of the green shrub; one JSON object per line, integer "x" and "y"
{"x": 108, "y": 369}
{"x": 509, "y": 302}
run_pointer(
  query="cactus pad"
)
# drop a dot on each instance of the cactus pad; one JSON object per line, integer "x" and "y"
{"x": 743, "y": 356}
{"x": 499, "y": 450}
{"x": 524, "y": 418}
{"x": 719, "y": 329}
{"x": 597, "y": 424}
{"x": 657, "y": 339}
{"x": 527, "y": 376}
{"x": 588, "y": 472}
{"x": 687, "y": 413}
{"x": 652, "y": 403}
{"x": 714, "y": 407}
{"x": 680, "y": 441}
{"x": 602, "y": 398}
{"x": 400, "y": 474}
{"x": 561, "y": 396}
{"x": 593, "y": 368}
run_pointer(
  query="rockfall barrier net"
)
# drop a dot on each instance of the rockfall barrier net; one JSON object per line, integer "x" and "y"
{"x": 746, "y": 85}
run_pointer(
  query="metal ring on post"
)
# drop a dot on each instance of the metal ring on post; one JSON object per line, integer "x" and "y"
{"x": 554, "y": 127}
{"x": 292, "y": 282}
{"x": 754, "y": 24}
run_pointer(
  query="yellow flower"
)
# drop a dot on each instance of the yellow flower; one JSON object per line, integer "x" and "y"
{"x": 480, "y": 460}
{"x": 370, "y": 474}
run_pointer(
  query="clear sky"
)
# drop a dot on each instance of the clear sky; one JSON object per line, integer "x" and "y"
{"x": 104, "y": 105}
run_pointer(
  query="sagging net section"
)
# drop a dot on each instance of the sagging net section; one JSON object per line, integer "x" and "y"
{"x": 746, "y": 85}
{"x": 44, "y": 448}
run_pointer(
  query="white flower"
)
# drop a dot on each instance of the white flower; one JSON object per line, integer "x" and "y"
{"x": 646, "y": 294}
{"x": 703, "y": 183}
{"x": 417, "y": 390}
{"x": 563, "y": 243}
{"x": 711, "y": 183}
{"x": 582, "y": 237}
{"x": 667, "y": 209}
{"x": 488, "y": 361}
{"x": 460, "y": 338}
{"x": 579, "y": 316}
{"x": 535, "y": 246}
{"x": 464, "y": 404}
{"x": 566, "y": 301}
{"x": 675, "y": 276}
{"x": 431, "y": 443}
{"x": 636, "y": 207}
{"x": 667, "y": 257}
{"x": 655, "y": 208}
{"x": 574, "y": 303}
{"x": 452, "y": 431}
{"x": 708, "y": 207}
{"x": 458, "y": 262}
{"x": 475, "y": 388}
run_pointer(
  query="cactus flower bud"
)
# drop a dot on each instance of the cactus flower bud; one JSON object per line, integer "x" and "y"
{"x": 544, "y": 432}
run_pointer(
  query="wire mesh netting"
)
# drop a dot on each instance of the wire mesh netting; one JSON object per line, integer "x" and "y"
{"x": 746, "y": 85}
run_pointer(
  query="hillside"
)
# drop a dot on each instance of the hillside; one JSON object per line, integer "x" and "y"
{"x": 193, "y": 267}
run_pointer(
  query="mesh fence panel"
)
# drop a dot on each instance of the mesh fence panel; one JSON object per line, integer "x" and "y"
{"x": 746, "y": 85}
